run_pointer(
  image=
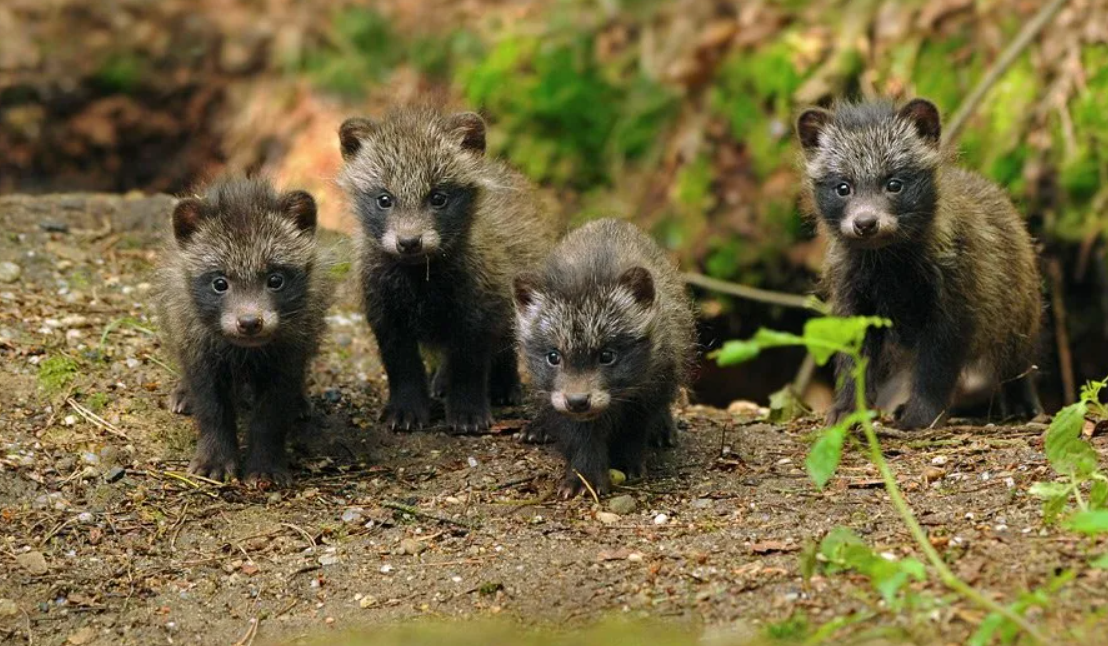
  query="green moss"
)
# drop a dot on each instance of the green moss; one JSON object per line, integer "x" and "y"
{"x": 57, "y": 372}
{"x": 120, "y": 72}
{"x": 97, "y": 402}
{"x": 945, "y": 89}
{"x": 363, "y": 50}
{"x": 562, "y": 117}
{"x": 791, "y": 630}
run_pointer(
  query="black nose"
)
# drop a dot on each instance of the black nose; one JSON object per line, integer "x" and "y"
{"x": 409, "y": 245}
{"x": 865, "y": 224}
{"x": 250, "y": 324}
{"x": 578, "y": 403}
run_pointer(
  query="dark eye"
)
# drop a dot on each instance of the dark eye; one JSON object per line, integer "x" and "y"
{"x": 554, "y": 357}
{"x": 438, "y": 200}
{"x": 844, "y": 189}
{"x": 275, "y": 282}
{"x": 220, "y": 284}
{"x": 384, "y": 201}
{"x": 894, "y": 185}
{"x": 607, "y": 357}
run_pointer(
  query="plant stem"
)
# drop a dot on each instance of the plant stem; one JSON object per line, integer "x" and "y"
{"x": 948, "y": 577}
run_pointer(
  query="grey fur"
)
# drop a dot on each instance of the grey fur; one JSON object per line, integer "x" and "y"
{"x": 241, "y": 228}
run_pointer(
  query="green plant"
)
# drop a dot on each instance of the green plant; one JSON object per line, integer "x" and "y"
{"x": 55, "y": 373}
{"x": 361, "y": 48}
{"x": 824, "y": 337}
{"x": 1075, "y": 462}
{"x": 562, "y": 116}
{"x": 97, "y": 402}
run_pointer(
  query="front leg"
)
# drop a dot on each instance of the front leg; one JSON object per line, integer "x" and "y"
{"x": 504, "y": 384}
{"x": 279, "y": 399}
{"x": 211, "y": 400}
{"x": 467, "y": 395}
{"x": 585, "y": 448}
{"x": 940, "y": 354}
{"x": 409, "y": 406}
{"x": 873, "y": 350}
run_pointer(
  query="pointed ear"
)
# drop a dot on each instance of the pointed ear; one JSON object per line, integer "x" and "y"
{"x": 640, "y": 283}
{"x": 525, "y": 290}
{"x": 299, "y": 206}
{"x": 923, "y": 114}
{"x": 809, "y": 126}
{"x": 187, "y": 216}
{"x": 351, "y": 133}
{"x": 469, "y": 128}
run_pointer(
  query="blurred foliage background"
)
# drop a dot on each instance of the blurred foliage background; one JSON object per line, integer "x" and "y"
{"x": 674, "y": 114}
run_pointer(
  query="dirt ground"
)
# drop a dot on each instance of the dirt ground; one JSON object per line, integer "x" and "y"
{"x": 105, "y": 541}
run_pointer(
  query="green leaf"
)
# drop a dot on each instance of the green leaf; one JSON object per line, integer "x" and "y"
{"x": 785, "y": 406}
{"x": 809, "y": 561}
{"x": 1091, "y": 522}
{"x": 773, "y": 339}
{"x": 735, "y": 352}
{"x": 1068, "y": 453}
{"x": 1100, "y": 562}
{"x": 843, "y": 550}
{"x": 1098, "y": 495}
{"x": 824, "y": 457}
{"x": 987, "y": 630}
{"x": 1049, "y": 490}
{"x": 830, "y": 334}
{"x": 1052, "y": 508}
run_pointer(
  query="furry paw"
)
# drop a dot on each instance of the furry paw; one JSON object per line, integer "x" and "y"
{"x": 266, "y": 472}
{"x": 408, "y": 413}
{"x": 534, "y": 434}
{"x": 917, "y": 415}
{"x": 215, "y": 464}
{"x": 572, "y": 485}
{"x": 467, "y": 417}
{"x": 179, "y": 400}
{"x": 837, "y": 414}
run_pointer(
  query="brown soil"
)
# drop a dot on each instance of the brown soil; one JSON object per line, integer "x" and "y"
{"x": 135, "y": 553}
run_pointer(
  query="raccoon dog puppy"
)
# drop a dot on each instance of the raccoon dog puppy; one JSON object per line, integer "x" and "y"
{"x": 937, "y": 249}
{"x": 442, "y": 231}
{"x": 241, "y": 299}
{"x": 608, "y": 335}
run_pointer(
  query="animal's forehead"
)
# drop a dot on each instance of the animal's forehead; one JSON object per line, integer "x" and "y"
{"x": 870, "y": 151}
{"x": 409, "y": 162}
{"x": 588, "y": 323}
{"x": 250, "y": 250}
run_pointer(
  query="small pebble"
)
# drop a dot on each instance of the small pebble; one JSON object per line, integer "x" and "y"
{"x": 352, "y": 515}
{"x": 412, "y": 546}
{"x": 607, "y": 517}
{"x": 622, "y": 504}
{"x": 8, "y": 608}
{"x": 115, "y": 474}
{"x": 661, "y": 519}
{"x": 10, "y": 272}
